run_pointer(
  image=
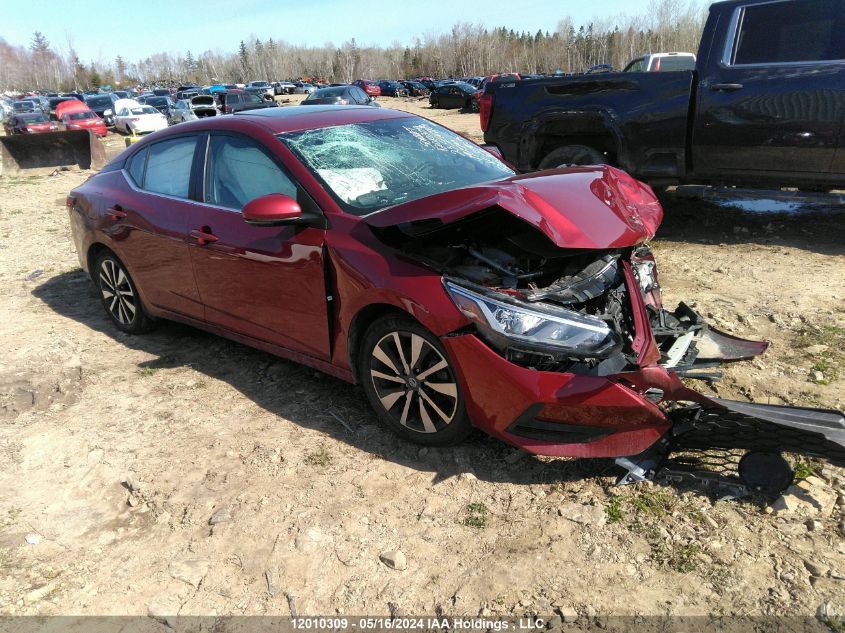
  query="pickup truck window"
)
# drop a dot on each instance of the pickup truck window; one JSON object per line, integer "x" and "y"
{"x": 789, "y": 32}
{"x": 636, "y": 66}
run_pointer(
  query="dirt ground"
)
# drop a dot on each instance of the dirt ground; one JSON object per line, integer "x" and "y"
{"x": 178, "y": 472}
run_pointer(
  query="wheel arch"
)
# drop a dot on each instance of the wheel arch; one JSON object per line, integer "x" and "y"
{"x": 94, "y": 251}
{"x": 359, "y": 324}
{"x": 593, "y": 128}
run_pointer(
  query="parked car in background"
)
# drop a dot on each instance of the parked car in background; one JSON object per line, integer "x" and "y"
{"x": 661, "y": 62}
{"x": 53, "y": 103}
{"x": 461, "y": 95}
{"x": 261, "y": 86}
{"x": 26, "y": 105}
{"x": 103, "y": 107}
{"x": 415, "y": 88}
{"x": 162, "y": 92}
{"x": 239, "y": 100}
{"x": 69, "y": 106}
{"x": 283, "y": 87}
{"x": 187, "y": 91}
{"x": 393, "y": 253}
{"x": 29, "y": 123}
{"x": 759, "y": 110}
{"x": 304, "y": 88}
{"x": 162, "y": 104}
{"x": 132, "y": 117}
{"x": 392, "y": 89}
{"x": 339, "y": 95}
{"x": 368, "y": 86}
{"x": 122, "y": 94}
{"x": 84, "y": 120}
{"x": 198, "y": 107}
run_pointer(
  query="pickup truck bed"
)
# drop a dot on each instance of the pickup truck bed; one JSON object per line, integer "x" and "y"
{"x": 765, "y": 106}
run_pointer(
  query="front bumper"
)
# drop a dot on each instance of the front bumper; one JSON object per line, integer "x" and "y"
{"x": 602, "y": 416}
{"x": 570, "y": 415}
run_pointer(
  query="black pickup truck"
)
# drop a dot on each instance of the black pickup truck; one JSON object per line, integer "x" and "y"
{"x": 765, "y": 106}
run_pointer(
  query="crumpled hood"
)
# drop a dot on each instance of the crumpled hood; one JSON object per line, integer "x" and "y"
{"x": 575, "y": 207}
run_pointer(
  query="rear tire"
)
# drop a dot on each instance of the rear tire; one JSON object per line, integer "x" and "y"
{"x": 410, "y": 383}
{"x": 435, "y": 103}
{"x": 569, "y": 155}
{"x": 119, "y": 295}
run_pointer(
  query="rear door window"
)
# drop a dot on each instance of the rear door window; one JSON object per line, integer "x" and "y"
{"x": 169, "y": 166}
{"x": 136, "y": 166}
{"x": 783, "y": 32}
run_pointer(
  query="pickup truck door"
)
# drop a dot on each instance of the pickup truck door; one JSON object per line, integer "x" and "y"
{"x": 771, "y": 95}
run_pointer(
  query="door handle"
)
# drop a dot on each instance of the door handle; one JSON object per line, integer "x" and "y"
{"x": 204, "y": 236}
{"x": 116, "y": 212}
{"x": 726, "y": 87}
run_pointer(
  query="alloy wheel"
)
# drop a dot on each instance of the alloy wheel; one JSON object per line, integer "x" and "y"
{"x": 118, "y": 294}
{"x": 413, "y": 382}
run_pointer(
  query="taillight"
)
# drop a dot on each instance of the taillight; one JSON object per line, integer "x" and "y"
{"x": 485, "y": 103}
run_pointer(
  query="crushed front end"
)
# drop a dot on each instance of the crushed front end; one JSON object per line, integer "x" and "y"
{"x": 569, "y": 350}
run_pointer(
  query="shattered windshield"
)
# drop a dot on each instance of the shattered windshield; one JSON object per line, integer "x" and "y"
{"x": 373, "y": 165}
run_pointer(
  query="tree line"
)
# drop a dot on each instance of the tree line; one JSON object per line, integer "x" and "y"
{"x": 465, "y": 50}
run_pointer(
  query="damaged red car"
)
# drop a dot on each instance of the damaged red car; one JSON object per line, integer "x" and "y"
{"x": 390, "y": 252}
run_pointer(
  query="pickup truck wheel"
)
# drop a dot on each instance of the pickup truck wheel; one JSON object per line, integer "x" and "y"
{"x": 572, "y": 155}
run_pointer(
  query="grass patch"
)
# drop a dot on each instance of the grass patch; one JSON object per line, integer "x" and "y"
{"x": 803, "y": 469}
{"x": 476, "y": 515}
{"x": 680, "y": 558}
{"x": 11, "y": 517}
{"x": 655, "y": 503}
{"x": 646, "y": 513}
{"x": 146, "y": 372}
{"x": 614, "y": 509}
{"x": 829, "y": 369}
{"x": 320, "y": 457}
{"x": 830, "y": 335}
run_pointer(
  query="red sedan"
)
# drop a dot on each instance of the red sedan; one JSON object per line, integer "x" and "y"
{"x": 390, "y": 252}
{"x": 29, "y": 123}
{"x": 370, "y": 87}
{"x": 85, "y": 120}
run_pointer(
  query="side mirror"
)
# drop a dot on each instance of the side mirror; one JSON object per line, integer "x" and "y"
{"x": 274, "y": 209}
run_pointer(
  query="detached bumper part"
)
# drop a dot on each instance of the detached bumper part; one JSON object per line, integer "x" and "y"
{"x": 763, "y": 430}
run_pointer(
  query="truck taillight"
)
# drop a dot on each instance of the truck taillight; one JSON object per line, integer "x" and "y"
{"x": 485, "y": 103}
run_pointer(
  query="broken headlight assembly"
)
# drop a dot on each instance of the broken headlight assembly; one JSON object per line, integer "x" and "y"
{"x": 509, "y": 325}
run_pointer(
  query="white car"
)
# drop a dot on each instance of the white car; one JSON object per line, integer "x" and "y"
{"x": 661, "y": 62}
{"x": 132, "y": 117}
{"x": 264, "y": 86}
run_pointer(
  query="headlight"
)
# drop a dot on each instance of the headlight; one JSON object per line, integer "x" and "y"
{"x": 560, "y": 332}
{"x": 107, "y": 113}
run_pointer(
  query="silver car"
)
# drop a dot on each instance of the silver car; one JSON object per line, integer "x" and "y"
{"x": 303, "y": 88}
{"x": 192, "y": 109}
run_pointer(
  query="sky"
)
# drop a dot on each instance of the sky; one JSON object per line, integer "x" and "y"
{"x": 138, "y": 28}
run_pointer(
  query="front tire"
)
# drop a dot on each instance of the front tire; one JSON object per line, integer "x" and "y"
{"x": 410, "y": 383}
{"x": 120, "y": 295}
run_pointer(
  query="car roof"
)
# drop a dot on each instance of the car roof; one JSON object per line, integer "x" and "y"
{"x": 289, "y": 119}
{"x": 126, "y": 103}
{"x": 295, "y": 118}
